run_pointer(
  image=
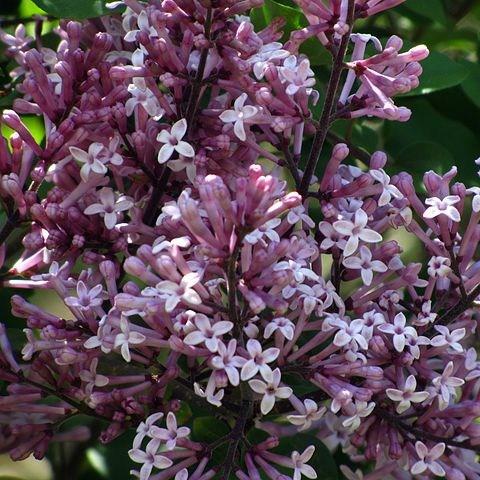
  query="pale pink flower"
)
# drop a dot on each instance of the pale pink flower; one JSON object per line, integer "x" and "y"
{"x": 355, "y": 231}
{"x": 445, "y": 384}
{"x": 172, "y": 433}
{"x": 300, "y": 464}
{"x": 92, "y": 160}
{"x": 85, "y": 299}
{"x": 283, "y": 325}
{"x": 365, "y": 264}
{"x": 442, "y": 207}
{"x": 127, "y": 338}
{"x": 258, "y": 359}
{"x": 407, "y": 395}
{"x": 144, "y": 429}
{"x": 172, "y": 142}
{"x": 109, "y": 207}
{"x": 229, "y": 362}
{"x": 149, "y": 458}
{"x": 428, "y": 459}
{"x": 207, "y": 332}
{"x": 449, "y": 338}
{"x": 239, "y": 115}
{"x": 270, "y": 389}
{"x": 399, "y": 330}
{"x": 312, "y": 414}
{"x": 362, "y": 410}
{"x": 92, "y": 378}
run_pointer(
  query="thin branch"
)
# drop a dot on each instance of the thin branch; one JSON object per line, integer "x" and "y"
{"x": 324, "y": 123}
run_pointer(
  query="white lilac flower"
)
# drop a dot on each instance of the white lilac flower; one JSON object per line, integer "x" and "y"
{"x": 355, "y": 231}
{"x": 425, "y": 316}
{"x": 144, "y": 97}
{"x": 212, "y": 397}
{"x": 127, "y": 338}
{"x": 229, "y": 362}
{"x": 149, "y": 458}
{"x": 92, "y": 378}
{"x": 445, "y": 385}
{"x": 172, "y": 433}
{"x": 332, "y": 237}
{"x": 389, "y": 190}
{"x": 300, "y": 466}
{"x": 85, "y": 299}
{"x": 476, "y": 198}
{"x": 365, "y": 264}
{"x": 312, "y": 414}
{"x": 258, "y": 359}
{"x": 297, "y": 75}
{"x": 349, "y": 333}
{"x": 362, "y": 410}
{"x": 182, "y": 292}
{"x": 144, "y": 429}
{"x": 92, "y": 160}
{"x": 428, "y": 459}
{"x": 407, "y": 395}
{"x": 172, "y": 142}
{"x": 443, "y": 206}
{"x": 266, "y": 55}
{"x": 207, "y": 333}
{"x": 103, "y": 339}
{"x": 266, "y": 230}
{"x": 448, "y": 338}
{"x": 298, "y": 214}
{"x": 471, "y": 364}
{"x": 239, "y": 115}
{"x": 269, "y": 389}
{"x": 399, "y": 330}
{"x": 284, "y": 325}
{"x": 109, "y": 207}
{"x": 143, "y": 26}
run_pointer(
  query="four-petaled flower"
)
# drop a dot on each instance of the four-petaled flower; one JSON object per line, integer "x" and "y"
{"x": 172, "y": 142}
{"x": 109, "y": 207}
{"x": 399, "y": 330}
{"x": 207, "y": 333}
{"x": 229, "y": 362}
{"x": 448, "y": 338}
{"x": 312, "y": 414}
{"x": 144, "y": 429}
{"x": 239, "y": 115}
{"x": 258, "y": 359}
{"x": 270, "y": 389}
{"x": 445, "y": 385}
{"x": 150, "y": 458}
{"x": 365, "y": 264}
{"x": 85, "y": 299}
{"x": 300, "y": 466}
{"x": 92, "y": 160}
{"x": 92, "y": 378}
{"x": 127, "y": 338}
{"x": 428, "y": 459}
{"x": 355, "y": 231}
{"x": 297, "y": 75}
{"x": 443, "y": 206}
{"x": 172, "y": 433}
{"x": 407, "y": 396}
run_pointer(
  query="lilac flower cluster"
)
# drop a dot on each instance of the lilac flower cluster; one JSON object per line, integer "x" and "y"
{"x": 162, "y": 209}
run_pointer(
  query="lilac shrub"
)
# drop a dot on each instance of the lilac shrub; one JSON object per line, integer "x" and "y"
{"x": 170, "y": 208}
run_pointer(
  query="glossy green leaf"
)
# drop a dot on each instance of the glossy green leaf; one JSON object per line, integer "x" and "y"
{"x": 432, "y": 9}
{"x": 471, "y": 84}
{"x": 271, "y": 9}
{"x": 73, "y": 8}
{"x": 209, "y": 429}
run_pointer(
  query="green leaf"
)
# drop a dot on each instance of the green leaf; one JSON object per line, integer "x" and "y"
{"x": 471, "y": 84}
{"x": 271, "y": 9}
{"x": 439, "y": 72}
{"x": 209, "y": 429}
{"x": 76, "y": 9}
{"x": 455, "y": 143}
{"x": 432, "y": 9}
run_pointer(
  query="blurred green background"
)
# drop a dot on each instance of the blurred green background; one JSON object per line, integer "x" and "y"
{"x": 444, "y": 131}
